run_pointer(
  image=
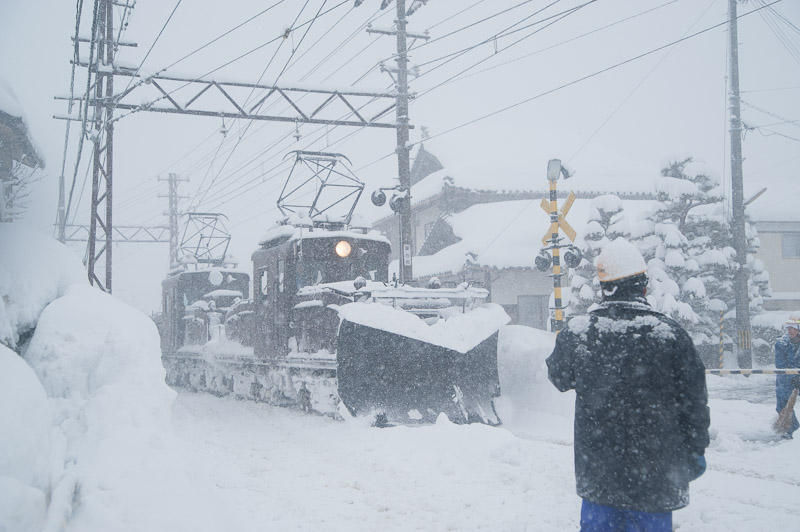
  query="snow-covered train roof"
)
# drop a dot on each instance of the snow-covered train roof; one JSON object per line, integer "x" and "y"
{"x": 389, "y": 291}
{"x": 294, "y": 232}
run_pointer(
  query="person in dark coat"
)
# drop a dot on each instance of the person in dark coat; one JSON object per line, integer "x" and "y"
{"x": 641, "y": 414}
{"x": 787, "y": 355}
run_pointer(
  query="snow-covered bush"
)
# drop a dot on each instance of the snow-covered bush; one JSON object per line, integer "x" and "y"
{"x": 34, "y": 270}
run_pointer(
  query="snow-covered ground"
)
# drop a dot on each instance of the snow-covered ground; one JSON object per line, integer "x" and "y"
{"x": 277, "y": 469}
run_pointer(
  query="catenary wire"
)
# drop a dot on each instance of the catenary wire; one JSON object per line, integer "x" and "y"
{"x": 250, "y": 122}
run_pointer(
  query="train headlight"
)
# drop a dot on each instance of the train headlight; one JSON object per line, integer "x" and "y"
{"x": 343, "y": 248}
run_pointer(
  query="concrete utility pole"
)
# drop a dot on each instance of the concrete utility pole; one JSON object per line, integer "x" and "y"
{"x": 173, "y": 214}
{"x": 740, "y": 278}
{"x": 406, "y": 251}
{"x": 6, "y": 164}
{"x": 403, "y": 155}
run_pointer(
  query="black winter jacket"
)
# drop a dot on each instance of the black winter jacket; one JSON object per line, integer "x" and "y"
{"x": 641, "y": 414}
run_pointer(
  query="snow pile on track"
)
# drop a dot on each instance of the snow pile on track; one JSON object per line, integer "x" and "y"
{"x": 460, "y": 332}
{"x": 34, "y": 270}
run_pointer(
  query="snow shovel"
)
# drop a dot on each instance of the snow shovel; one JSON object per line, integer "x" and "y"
{"x": 783, "y": 425}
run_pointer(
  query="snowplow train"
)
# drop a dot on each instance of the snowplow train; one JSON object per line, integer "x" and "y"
{"x": 323, "y": 328}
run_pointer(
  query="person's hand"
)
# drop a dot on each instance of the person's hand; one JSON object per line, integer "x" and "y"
{"x": 697, "y": 466}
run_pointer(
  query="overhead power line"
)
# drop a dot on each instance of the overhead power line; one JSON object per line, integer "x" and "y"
{"x": 312, "y": 70}
{"x": 571, "y": 39}
{"x": 277, "y": 79}
{"x": 244, "y": 188}
{"x": 153, "y": 44}
{"x": 222, "y": 35}
{"x": 575, "y": 81}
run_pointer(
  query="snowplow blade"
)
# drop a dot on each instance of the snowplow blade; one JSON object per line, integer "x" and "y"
{"x": 410, "y": 380}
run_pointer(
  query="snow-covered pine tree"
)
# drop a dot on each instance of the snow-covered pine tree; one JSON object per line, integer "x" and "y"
{"x": 606, "y": 222}
{"x": 674, "y": 243}
{"x": 691, "y": 259}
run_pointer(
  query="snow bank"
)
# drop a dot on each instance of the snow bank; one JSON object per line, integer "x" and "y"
{"x": 99, "y": 360}
{"x": 460, "y": 332}
{"x": 85, "y": 426}
{"x": 34, "y": 270}
{"x": 90, "y": 346}
{"x": 24, "y": 446}
{"x": 529, "y": 404}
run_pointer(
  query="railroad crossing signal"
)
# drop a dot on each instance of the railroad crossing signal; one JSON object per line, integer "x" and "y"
{"x": 560, "y": 221}
{"x": 552, "y": 240}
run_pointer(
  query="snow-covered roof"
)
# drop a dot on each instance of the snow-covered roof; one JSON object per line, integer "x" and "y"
{"x": 508, "y": 234}
{"x": 9, "y": 103}
{"x": 777, "y": 204}
{"x": 15, "y": 131}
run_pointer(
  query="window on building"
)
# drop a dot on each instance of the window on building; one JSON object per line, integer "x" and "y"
{"x": 428, "y": 229}
{"x": 790, "y": 245}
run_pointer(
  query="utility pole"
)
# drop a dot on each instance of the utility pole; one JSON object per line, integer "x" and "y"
{"x": 740, "y": 278}
{"x": 402, "y": 126}
{"x": 61, "y": 219}
{"x": 403, "y": 156}
{"x": 173, "y": 214}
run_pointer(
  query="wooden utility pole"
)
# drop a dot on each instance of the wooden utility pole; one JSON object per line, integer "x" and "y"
{"x": 740, "y": 278}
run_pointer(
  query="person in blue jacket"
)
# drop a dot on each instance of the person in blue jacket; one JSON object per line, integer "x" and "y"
{"x": 641, "y": 414}
{"x": 787, "y": 355}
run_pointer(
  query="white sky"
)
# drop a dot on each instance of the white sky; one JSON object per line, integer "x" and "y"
{"x": 669, "y": 104}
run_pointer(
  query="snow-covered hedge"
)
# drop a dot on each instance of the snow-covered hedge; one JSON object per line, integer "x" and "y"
{"x": 34, "y": 270}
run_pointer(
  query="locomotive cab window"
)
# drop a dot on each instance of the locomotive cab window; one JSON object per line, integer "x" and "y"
{"x": 281, "y": 274}
{"x": 264, "y": 282}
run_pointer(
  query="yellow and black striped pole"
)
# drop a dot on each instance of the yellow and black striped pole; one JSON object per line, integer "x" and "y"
{"x": 558, "y": 320}
{"x": 552, "y": 240}
{"x": 721, "y": 340}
